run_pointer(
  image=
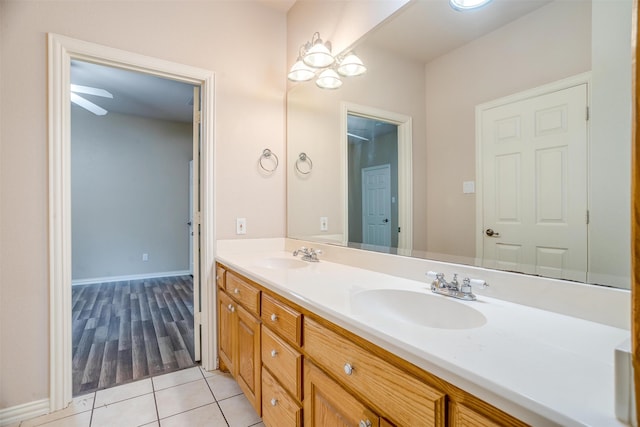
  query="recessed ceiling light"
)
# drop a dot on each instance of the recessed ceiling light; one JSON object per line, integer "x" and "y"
{"x": 462, "y": 5}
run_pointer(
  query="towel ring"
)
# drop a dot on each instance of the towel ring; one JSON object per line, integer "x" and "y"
{"x": 303, "y": 158}
{"x": 268, "y": 154}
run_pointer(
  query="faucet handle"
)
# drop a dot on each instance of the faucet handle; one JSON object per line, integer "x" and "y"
{"x": 466, "y": 286}
{"x": 478, "y": 282}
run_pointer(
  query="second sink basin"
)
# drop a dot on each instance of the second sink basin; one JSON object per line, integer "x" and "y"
{"x": 276, "y": 263}
{"x": 418, "y": 308}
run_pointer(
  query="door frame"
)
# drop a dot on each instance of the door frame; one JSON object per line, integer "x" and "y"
{"x": 578, "y": 79}
{"x": 61, "y": 50}
{"x": 405, "y": 169}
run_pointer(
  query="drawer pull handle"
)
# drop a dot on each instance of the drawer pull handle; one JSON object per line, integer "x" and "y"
{"x": 231, "y": 308}
{"x": 274, "y": 353}
{"x": 365, "y": 423}
{"x": 274, "y": 401}
{"x": 348, "y": 369}
{"x": 274, "y": 317}
{"x": 236, "y": 291}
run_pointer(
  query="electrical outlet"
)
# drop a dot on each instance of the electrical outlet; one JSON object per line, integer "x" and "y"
{"x": 145, "y": 257}
{"x": 324, "y": 223}
{"x": 241, "y": 226}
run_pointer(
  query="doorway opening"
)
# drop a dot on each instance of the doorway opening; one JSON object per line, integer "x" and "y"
{"x": 62, "y": 52}
{"x": 133, "y": 143}
{"x": 378, "y": 174}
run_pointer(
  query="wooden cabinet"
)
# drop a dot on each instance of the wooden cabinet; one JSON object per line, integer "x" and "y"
{"x": 279, "y": 408}
{"x": 403, "y": 398}
{"x": 282, "y": 362}
{"x": 227, "y": 332}
{"x": 240, "y": 334}
{"x": 327, "y": 404}
{"x": 248, "y": 360}
{"x": 298, "y": 369}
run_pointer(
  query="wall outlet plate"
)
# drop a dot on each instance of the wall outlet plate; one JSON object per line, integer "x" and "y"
{"x": 241, "y": 226}
{"x": 324, "y": 223}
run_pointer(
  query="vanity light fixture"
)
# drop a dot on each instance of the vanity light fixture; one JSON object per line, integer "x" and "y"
{"x": 351, "y": 66}
{"x": 315, "y": 58}
{"x": 464, "y": 5}
{"x": 329, "y": 79}
{"x": 318, "y": 54}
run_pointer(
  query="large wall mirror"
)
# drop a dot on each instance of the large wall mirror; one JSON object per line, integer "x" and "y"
{"x": 499, "y": 137}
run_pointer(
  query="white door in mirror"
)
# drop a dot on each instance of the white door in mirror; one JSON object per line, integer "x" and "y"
{"x": 533, "y": 151}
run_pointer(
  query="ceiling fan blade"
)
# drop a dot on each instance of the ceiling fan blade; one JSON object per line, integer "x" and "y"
{"x": 88, "y": 105}
{"x": 357, "y": 136}
{"x": 91, "y": 91}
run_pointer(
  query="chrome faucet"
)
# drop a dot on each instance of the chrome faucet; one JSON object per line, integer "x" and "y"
{"x": 308, "y": 254}
{"x": 453, "y": 289}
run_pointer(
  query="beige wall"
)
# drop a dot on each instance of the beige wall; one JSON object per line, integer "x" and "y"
{"x": 313, "y": 127}
{"x": 241, "y": 41}
{"x": 496, "y": 65}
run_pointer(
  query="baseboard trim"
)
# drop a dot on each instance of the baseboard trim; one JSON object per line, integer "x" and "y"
{"x": 26, "y": 411}
{"x": 91, "y": 281}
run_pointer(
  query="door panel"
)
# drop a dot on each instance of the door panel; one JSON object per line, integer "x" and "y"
{"x": 533, "y": 151}
{"x": 376, "y": 205}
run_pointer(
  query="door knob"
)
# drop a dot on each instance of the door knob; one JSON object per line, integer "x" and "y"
{"x": 489, "y": 232}
{"x": 385, "y": 220}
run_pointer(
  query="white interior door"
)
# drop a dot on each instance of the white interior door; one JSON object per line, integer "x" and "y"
{"x": 195, "y": 224}
{"x": 376, "y": 205}
{"x": 534, "y": 163}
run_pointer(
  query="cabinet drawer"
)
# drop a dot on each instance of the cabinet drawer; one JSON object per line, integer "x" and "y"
{"x": 283, "y": 361}
{"x": 402, "y": 398}
{"x": 220, "y": 273}
{"x": 278, "y": 408}
{"x": 245, "y": 293}
{"x": 281, "y": 318}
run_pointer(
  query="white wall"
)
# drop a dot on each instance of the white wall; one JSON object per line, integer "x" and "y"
{"x": 129, "y": 195}
{"x": 243, "y": 42}
{"x": 610, "y": 161}
{"x": 526, "y": 53}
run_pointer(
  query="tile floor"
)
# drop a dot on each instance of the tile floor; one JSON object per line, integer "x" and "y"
{"x": 192, "y": 397}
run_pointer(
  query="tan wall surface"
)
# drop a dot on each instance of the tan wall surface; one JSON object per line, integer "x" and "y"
{"x": 243, "y": 42}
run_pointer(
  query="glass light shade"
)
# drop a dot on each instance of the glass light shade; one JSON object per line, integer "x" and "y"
{"x": 351, "y": 66}
{"x": 318, "y": 55}
{"x": 300, "y": 72}
{"x": 329, "y": 79}
{"x": 463, "y": 5}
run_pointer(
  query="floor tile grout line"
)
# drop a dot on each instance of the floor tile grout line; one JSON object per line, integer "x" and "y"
{"x": 215, "y": 399}
{"x": 155, "y": 401}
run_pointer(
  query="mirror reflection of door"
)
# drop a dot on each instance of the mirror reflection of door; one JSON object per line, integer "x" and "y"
{"x": 372, "y": 158}
{"x": 534, "y": 153}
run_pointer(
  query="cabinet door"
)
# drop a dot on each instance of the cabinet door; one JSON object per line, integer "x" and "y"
{"x": 327, "y": 404}
{"x": 226, "y": 331}
{"x": 461, "y": 416}
{"x": 248, "y": 362}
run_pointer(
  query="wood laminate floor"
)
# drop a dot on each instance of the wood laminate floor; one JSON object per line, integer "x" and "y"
{"x": 124, "y": 331}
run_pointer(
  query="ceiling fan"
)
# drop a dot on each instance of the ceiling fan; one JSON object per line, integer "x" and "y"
{"x": 85, "y": 103}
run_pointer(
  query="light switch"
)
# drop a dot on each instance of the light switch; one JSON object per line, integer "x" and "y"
{"x": 241, "y": 226}
{"x": 469, "y": 187}
{"x": 324, "y": 223}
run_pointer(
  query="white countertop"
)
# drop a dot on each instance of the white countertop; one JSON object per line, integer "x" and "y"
{"x": 542, "y": 367}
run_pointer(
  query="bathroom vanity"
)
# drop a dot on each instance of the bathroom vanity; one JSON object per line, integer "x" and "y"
{"x": 326, "y": 344}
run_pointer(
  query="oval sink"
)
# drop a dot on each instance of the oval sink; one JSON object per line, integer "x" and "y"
{"x": 418, "y": 308}
{"x": 276, "y": 263}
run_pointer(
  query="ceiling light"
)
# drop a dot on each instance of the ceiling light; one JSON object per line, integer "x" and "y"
{"x": 318, "y": 54}
{"x": 462, "y": 5}
{"x": 351, "y": 66}
{"x": 329, "y": 79}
